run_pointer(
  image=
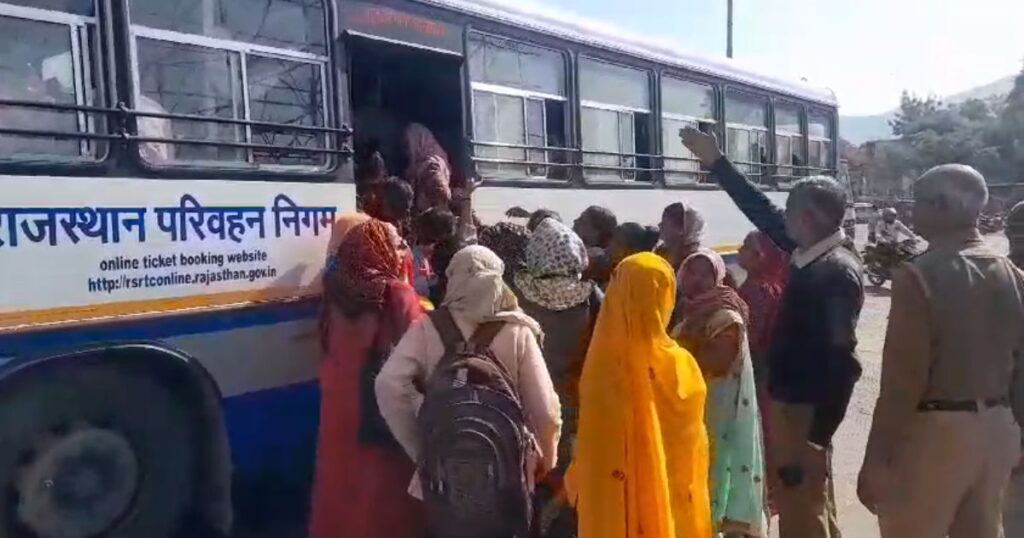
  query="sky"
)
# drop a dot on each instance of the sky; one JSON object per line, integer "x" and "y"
{"x": 866, "y": 51}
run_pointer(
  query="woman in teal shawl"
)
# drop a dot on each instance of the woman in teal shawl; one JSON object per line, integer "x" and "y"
{"x": 713, "y": 328}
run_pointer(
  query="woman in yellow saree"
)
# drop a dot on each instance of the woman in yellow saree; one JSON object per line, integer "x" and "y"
{"x": 641, "y": 463}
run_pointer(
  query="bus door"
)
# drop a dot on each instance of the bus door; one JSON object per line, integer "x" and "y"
{"x": 403, "y": 69}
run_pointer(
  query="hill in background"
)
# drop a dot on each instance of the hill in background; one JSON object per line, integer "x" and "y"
{"x": 860, "y": 129}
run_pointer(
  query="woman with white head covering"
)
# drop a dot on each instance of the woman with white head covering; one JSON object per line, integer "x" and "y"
{"x": 476, "y": 294}
{"x": 681, "y": 232}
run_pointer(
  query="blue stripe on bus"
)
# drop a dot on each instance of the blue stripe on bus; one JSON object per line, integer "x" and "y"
{"x": 272, "y": 434}
{"x": 62, "y": 339}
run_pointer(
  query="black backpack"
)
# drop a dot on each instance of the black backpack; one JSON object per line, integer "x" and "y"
{"x": 474, "y": 444}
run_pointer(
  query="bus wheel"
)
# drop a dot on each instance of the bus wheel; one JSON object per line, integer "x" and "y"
{"x": 93, "y": 451}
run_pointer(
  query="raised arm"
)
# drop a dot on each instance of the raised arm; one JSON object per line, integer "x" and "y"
{"x": 748, "y": 197}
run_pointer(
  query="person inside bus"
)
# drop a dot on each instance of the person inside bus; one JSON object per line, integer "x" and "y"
{"x": 362, "y": 474}
{"x": 151, "y": 127}
{"x": 376, "y": 126}
{"x": 714, "y": 327}
{"x": 640, "y": 465}
{"x": 631, "y": 238}
{"x": 419, "y": 145}
{"x": 432, "y": 184}
{"x": 23, "y": 78}
{"x": 552, "y": 290}
{"x": 596, "y": 226}
{"x": 476, "y": 294}
{"x": 812, "y": 365}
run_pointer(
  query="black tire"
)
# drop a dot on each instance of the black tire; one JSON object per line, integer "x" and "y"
{"x": 876, "y": 279}
{"x": 133, "y": 405}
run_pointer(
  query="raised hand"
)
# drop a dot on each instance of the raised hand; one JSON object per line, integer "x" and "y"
{"x": 704, "y": 146}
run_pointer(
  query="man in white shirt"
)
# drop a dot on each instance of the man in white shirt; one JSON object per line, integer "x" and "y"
{"x": 890, "y": 230}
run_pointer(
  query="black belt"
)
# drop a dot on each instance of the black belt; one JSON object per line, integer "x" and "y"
{"x": 970, "y": 406}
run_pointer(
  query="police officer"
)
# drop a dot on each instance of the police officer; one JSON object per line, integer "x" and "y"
{"x": 944, "y": 441}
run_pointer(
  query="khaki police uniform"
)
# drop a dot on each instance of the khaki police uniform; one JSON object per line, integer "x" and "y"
{"x": 944, "y": 435}
{"x": 1013, "y": 508}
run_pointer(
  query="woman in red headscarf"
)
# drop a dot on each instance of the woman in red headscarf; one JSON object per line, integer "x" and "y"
{"x": 362, "y": 474}
{"x": 766, "y": 266}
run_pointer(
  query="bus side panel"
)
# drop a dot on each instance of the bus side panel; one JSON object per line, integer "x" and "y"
{"x": 263, "y": 358}
{"x": 105, "y": 248}
{"x": 724, "y": 224}
{"x": 267, "y": 374}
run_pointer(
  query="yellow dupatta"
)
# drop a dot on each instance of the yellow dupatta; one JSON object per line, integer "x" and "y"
{"x": 640, "y": 467}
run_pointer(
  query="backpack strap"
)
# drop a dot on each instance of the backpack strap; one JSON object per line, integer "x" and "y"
{"x": 449, "y": 332}
{"x": 486, "y": 333}
{"x": 481, "y": 344}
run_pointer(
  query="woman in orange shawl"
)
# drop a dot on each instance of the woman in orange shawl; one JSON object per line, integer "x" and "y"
{"x": 641, "y": 461}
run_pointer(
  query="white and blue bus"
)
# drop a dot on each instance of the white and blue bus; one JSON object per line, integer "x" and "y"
{"x": 169, "y": 175}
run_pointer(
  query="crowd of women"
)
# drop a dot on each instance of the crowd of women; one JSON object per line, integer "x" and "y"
{"x": 638, "y": 361}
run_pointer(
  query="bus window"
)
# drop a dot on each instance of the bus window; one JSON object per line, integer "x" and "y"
{"x": 46, "y": 57}
{"x": 519, "y": 102}
{"x": 789, "y": 141}
{"x": 684, "y": 104}
{"x": 615, "y": 120}
{"x": 294, "y": 25}
{"x": 819, "y": 125}
{"x": 221, "y": 61}
{"x": 746, "y": 121}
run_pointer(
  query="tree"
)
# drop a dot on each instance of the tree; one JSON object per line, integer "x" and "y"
{"x": 912, "y": 110}
{"x": 987, "y": 134}
{"x": 1010, "y": 131}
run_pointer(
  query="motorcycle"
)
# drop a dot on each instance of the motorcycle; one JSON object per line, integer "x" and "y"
{"x": 881, "y": 258}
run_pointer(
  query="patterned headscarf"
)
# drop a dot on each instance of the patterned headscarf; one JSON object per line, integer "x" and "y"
{"x": 697, "y": 311}
{"x": 555, "y": 260}
{"x": 367, "y": 262}
{"x": 341, "y": 228}
{"x": 508, "y": 240}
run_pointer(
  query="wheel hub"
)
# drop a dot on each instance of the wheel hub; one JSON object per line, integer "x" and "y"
{"x": 78, "y": 484}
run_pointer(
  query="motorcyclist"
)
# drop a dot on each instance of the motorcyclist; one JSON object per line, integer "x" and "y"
{"x": 895, "y": 241}
{"x": 889, "y": 229}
